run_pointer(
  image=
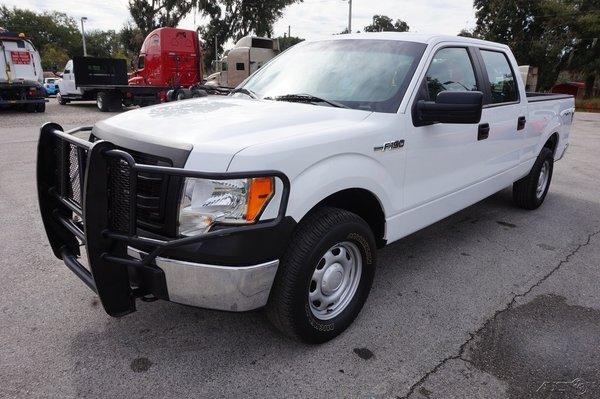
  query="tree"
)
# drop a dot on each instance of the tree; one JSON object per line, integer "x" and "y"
{"x": 48, "y": 28}
{"x": 466, "y": 33}
{"x": 538, "y": 31}
{"x": 101, "y": 43}
{"x": 383, "y": 23}
{"x": 286, "y": 42}
{"x": 54, "y": 58}
{"x": 234, "y": 19}
{"x": 583, "y": 55}
{"x": 151, "y": 14}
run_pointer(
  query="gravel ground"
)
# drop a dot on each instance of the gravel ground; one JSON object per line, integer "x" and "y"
{"x": 493, "y": 302}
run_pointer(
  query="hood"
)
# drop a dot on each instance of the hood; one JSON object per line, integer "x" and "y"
{"x": 219, "y": 126}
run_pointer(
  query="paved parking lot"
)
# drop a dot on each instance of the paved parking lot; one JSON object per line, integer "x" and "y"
{"x": 493, "y": 302}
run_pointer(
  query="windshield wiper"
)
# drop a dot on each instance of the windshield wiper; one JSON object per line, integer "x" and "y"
{"x": 306, "y": 98}
{"x": 244, "y": 91}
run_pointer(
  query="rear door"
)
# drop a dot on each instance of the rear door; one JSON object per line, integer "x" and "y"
{"x": 20, "y": 61}
{"x": 505, "y": 112}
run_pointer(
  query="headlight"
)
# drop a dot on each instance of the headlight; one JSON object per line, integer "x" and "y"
{"x": 238, "y": 201}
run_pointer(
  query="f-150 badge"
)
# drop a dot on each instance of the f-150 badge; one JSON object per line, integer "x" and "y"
{"x": 392, "y": 145}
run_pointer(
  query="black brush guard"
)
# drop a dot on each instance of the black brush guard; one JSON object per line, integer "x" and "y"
{"x": 76, "y": 211}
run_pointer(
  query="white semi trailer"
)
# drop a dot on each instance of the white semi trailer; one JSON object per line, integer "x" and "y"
{"x": 247, "y": 56}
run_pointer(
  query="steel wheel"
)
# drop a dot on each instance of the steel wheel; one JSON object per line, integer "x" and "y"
{"x": 335, "y": 280}
{"x": 543, "y": 180}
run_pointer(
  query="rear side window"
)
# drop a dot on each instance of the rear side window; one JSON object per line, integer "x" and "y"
{"x": 141, "y": 62}
{"x": 502, "y": 79}
{"x": 450, "y": 70}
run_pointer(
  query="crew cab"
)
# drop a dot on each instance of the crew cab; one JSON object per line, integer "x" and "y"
{"x": 279, "y": 195}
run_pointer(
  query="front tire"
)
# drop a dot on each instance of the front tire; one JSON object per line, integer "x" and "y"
{"x": 61, "y": 100}
{"x": 325, "y": 276}
{"x": 530, "y": 191}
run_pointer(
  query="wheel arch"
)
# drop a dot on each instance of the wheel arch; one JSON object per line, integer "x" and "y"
{"x": 361, "y": 202}
{"x": 552, "y": 142}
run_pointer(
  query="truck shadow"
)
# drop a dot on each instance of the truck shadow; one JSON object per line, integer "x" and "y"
{"x": 430, "y": 290}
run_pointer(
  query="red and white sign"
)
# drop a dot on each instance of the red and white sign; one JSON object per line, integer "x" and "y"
{"x": 20, "y": 57}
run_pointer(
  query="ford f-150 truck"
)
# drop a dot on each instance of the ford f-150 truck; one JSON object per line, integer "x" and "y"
{"x": 279, "y": 195}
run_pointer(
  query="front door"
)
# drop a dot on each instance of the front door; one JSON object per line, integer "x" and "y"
{"x": 67, "y": 83}
{"x": 442, "y": 158}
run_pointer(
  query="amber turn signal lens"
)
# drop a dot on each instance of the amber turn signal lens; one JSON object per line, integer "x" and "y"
{"x": 260, "y": 192}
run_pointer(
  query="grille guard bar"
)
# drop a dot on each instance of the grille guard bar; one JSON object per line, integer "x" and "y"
{"x": 69, "y": 225}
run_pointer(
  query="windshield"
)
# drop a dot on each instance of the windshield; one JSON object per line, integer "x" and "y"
{"x": 361, "y": 74}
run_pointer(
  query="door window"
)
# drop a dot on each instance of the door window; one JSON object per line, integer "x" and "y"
{"x": 240, "y": 66}
{"x": 502, "y": 79}
{"x": 450, "y": 70}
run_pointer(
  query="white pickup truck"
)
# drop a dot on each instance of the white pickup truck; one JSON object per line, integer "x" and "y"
{"x": 279, "y": 195}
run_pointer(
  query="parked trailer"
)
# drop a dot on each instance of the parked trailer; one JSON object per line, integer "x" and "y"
{"x": 21, "y": 75}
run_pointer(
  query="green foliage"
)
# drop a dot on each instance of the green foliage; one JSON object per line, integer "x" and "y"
{"x": 554, "y": 35}
{"x": 101, "y": 43}
{"x": 467, "y": 33}
{"x": 383, "y": 23}
{"x": 288, "y": 41}
{"x": 234, "y": 19}
{"x": 151, "y": 14}
{"x": 58, "y": 38}
{"x": 48, "y": 28}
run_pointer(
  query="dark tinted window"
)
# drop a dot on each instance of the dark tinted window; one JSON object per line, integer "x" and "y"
{"x": 502, "y": 79}
{"x": 141, "y": 62}
{"x": 262, "y": 43}
{"x": 240, "y": 66}
{"x": 450, "y": 70}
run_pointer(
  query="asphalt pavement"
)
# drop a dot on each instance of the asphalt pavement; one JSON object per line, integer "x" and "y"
{"x": 492, "y": 302}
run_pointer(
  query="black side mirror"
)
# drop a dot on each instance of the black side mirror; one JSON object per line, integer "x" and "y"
{"x": 451, "y": 107}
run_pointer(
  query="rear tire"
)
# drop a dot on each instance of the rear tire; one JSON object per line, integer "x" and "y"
{"x": 61, "y": 100}
{"x": 530, "y": 191}
{"x": 324, "y": 277}
{"x": 102, "y": 101}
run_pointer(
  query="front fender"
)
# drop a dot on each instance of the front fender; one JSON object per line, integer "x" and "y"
{"x": 337, "y": 173}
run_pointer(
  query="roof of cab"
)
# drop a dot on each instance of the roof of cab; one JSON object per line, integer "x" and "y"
{"x": 414, "y": 37}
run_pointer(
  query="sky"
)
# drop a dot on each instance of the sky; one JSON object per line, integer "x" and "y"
{"x": 309, "y": 19}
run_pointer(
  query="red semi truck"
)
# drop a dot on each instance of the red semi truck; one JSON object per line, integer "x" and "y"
{"x": 170, "y": 58}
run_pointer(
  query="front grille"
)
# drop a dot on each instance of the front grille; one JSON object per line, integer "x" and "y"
{"x": 72, "y": 159}
{"x": 151, "y": 195}
{"x": 151, "y": 189}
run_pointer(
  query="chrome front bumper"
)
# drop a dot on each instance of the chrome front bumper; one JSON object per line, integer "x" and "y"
{"x": 234, "y": 289}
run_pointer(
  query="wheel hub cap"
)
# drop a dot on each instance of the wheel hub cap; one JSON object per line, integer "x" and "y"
{"x": 543, "y": 180}
{"x": 335, "y": 280}
{"x": 332, "y": 279}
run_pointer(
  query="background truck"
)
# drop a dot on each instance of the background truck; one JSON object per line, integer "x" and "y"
{"x": 21, "y": 74}
{"x": 169, "y": 58}
{"x": 246, "y": 57}
{"x": 279, "y": 195}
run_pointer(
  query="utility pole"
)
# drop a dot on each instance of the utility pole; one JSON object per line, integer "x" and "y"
{"x": 350, "y": 16}
{"x": 83, "y": 36}
{"x": 289, "y": 30}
